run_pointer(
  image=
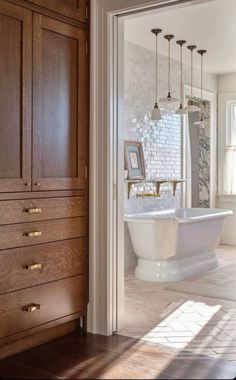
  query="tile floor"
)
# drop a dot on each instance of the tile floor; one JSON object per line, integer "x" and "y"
{"x": 190, "y": 324}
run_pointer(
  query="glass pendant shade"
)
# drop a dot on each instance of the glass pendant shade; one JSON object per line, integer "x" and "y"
{"x": 192, "y": 108}
{"x": 201, "y": 122}
{"x": 182, "y": 110}
{"x": 156, "y": 113}
{"x": 169, "y": 98}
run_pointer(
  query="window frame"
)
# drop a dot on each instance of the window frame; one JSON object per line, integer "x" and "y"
{"x": 225, "y": 103}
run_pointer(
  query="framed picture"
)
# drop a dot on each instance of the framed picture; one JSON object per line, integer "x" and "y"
{"x": 134, "y": 160}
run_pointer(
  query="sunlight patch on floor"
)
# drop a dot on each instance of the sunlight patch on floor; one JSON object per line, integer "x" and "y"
{"x": 181, "y": 327}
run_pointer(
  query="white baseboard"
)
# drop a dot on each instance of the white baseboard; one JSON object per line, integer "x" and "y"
{"x": 228, "y": 238}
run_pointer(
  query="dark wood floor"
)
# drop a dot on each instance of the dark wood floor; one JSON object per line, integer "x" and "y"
{"x": 116, "y": 357}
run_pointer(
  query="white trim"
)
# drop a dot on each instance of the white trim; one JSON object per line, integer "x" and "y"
{"x": 103, "y": 256}
{"x": 222, "y": 128}
{"x": 212, "y": 98}
{"x": 187, "y": 172}
{"x": 120, "y": 174}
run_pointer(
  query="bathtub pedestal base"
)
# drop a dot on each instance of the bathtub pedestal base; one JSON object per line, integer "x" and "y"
{"x": 175, "y": 270}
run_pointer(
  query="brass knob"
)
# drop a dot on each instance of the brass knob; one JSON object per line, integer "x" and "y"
{"x": 33, "y": 234}
{"x": 37, "y": 184}
{"x": 31, "y": 308}
{"x": 33, "y": 210}
{"x": 33, "y": 267}
{"x": 27, "y": 184}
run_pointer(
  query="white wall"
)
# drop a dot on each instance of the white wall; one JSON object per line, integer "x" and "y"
{"x": 226, "y": 85}
{"x": 229, "y": 232}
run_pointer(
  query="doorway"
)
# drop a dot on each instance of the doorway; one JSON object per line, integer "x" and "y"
{"x": 165, "y": 144}
{"x": 105, "y": 251}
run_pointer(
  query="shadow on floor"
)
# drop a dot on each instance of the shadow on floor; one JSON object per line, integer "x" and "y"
{"x": 116, "y": 357}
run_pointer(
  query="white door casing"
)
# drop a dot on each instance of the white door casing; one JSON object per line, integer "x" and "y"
{"x": 106, "y": 290}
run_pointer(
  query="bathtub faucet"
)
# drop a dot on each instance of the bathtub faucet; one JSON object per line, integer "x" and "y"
{"x": 145, "y": 195}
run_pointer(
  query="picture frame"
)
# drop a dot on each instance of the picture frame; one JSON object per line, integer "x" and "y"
{"x": 134, "y": 160}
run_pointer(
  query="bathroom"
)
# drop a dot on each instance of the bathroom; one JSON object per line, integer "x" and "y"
{"x": 172, "y": 164}
{"x": 117, "y": 189}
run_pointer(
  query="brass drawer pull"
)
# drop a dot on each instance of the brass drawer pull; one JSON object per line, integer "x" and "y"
{"x": 33, "y": 267}
{"x": 33, "y": 234}
{"x": 33, "y": 210}
{"x": 31, "y": 308}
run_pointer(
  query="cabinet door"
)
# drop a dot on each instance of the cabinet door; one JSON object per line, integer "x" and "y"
{"x": 60, "y": 106}
{"x": 75, "y": 9}
{"x": 15, "y": 98}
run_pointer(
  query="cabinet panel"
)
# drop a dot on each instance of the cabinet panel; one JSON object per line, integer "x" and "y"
{"x": 39, "y": 264}
{"x": 75, "y": 9}
{"x": 26, "y": 234}
{"x": 31, "y": 210}
{"x": 15, "y": 98}
{"x": 60, "y": 106}
{"x": 25, "y": 309}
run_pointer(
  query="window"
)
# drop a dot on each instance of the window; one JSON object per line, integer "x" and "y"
{"x": 230, "y": 149}
{"x": 227, "y": 143}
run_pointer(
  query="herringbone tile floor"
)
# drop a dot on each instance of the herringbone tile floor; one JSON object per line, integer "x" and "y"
{"x": 188, "y": 323}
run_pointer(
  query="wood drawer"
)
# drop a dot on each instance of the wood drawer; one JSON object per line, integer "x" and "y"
{"x": 17, "y": 235}
{"x": 30, "y": 266}
{"x": 30, "y": 210}
{"x": 56, "y": 300}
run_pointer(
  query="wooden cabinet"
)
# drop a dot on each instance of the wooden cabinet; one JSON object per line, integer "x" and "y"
{"x": 75, "y": 9}
{"x": 15, "y": 98}
{"x": 59, "y": 131}
{"x": 60, "y": 112}
{"x": 43, "y": 169}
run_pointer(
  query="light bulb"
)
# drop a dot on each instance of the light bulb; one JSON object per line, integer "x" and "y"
{"x": 156, "y": 113}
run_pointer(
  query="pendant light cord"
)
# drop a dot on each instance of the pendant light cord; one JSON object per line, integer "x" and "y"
{"x": 191, "y": 73}
{"x": 181, "y": 76}
{"x": 201, "y": 77}
{"x": 156, "y": 66}
{"x": 169, "y": 89}
{"x": 181, "y": 44}
{"x": 202, "y": 52}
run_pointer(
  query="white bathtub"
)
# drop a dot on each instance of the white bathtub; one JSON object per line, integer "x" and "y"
{"x": 173, "y": 245}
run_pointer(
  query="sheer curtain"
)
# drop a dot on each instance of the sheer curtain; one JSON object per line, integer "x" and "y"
{"x": 230, "y": 155}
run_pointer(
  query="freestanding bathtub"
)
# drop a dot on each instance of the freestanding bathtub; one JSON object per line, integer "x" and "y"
{"x": 174, "y": 245}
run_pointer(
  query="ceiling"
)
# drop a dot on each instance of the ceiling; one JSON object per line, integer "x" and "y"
{"x": 210, "y": 25}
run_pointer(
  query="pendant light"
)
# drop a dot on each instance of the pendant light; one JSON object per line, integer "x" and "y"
{"x": 192, "y": 108}
{"x": 156, "y": 113}
{"x": 201, "y": 121}
{"x": 181, "y": 110}
{"x": 169, "y": 98}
